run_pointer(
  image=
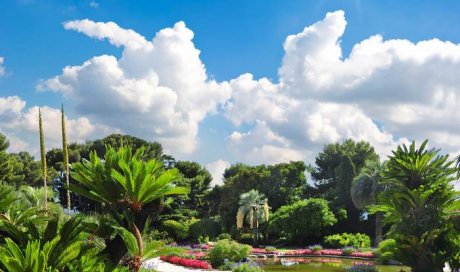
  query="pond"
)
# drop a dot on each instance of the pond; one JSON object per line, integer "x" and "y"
{"x": 312, "y": 264}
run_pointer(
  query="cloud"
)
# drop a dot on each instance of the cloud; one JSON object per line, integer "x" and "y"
{"x": 94, "y": 4}
{"x": 2, "y": 68}
{"x": 384, "y": 92}
{"x": 217, "y": 170}
{"x": 157, "y": 89}
{"x": 20, "y": 125}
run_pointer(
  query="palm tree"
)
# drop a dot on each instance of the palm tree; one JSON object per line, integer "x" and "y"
{"x": 125, "y": 185}
{"x": 365, "y": 189}
{"x": 253, "y": 207}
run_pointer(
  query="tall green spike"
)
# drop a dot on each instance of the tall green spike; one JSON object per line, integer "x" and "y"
{"x": 43, "y": 156}
{"x": 65, "y": 154}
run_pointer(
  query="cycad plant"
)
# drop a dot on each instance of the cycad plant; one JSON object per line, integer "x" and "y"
{"x": 419, "y": 205}
{"x": 125, "y": 185}
{"x": 253, "y": 207}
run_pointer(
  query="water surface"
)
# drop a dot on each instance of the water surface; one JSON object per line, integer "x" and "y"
{"x": 316, "y": 264}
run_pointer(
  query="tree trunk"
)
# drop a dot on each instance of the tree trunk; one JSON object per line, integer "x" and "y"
{"x": 378, "y": 229}
{"x": 115, "y": 249}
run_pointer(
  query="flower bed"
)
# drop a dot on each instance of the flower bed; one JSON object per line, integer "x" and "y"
{"x": 330, "y": 252}
{"x": 186, "y": 262}
{"x": 263, "y": 251}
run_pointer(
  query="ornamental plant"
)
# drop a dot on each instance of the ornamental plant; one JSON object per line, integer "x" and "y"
{"x": 230, "y": 250}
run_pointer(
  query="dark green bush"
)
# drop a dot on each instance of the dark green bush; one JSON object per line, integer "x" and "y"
{"x": 303, "y": 220}
{"x": 230, "y": 250}
{"x": 224, "y": 236}
{"x": 357, "y": 240}
{"x": 210, "y": 227}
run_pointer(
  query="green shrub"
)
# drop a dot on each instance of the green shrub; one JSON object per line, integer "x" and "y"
{"x": 362, "y": 268}
{"x": 228, "y": 249}
{"x": 347, "y": 251}
{"x": 302, "y": 220}
{"x": 385, "y": 251}
{"x": 224, "y": 236}
{"x": 357, "y": 240}
{"x": 210, "y": 227}
{"x": 246, "y": 267}
{"x": 315, "y": 247}
{"x": 270, "y": 249}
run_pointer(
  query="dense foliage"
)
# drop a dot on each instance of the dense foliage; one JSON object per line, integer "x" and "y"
{"x": 419, "y": 206}
{"x": 228, "y": 250}
{"x": 303, "y": 221}
{"x": 356, "y": 240}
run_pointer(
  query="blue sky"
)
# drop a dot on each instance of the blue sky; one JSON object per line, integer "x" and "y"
{"x": 293, "y": 113}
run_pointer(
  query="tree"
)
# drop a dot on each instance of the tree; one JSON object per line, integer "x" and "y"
{"x": 302, "y": 222}
{"x": 5, "y": 164}
{"x": 365, "y": 190}
{"x": 43, "y": 156}
{"x": 253, "y": 207}
{"x": 336, "y": 167}
{"x": 420, "y": 205}
{"x": 65, "y": 154}
{"x": 282, "y": 184}
{"x": 128, "y": 187}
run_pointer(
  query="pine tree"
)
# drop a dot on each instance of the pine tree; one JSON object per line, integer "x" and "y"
{"x": 43, "y": 156}
{"x": 65, "y": 154}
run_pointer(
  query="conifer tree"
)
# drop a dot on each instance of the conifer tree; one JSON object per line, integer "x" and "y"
{"x": 65, "y": 154}
{"x": 43, "y": 156}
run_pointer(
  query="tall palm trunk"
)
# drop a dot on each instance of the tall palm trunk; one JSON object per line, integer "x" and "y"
{"x": 378, "y": 228}
{"x": 43, "y": 157}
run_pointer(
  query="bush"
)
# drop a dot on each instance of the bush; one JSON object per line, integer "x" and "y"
{"x": 356, "y": 240}
{"x": 362, "y": 268}
{"x": 210, "y": 227}
{"x": 247, "y": 267}
{"x": 347, "y": 251}
{"x": 315, "y": 248}
{"x": 303, "y": 220}
{"x": 385, "y": 251}
{"x": 224, "y": 236}
{"x": 270, "y": 249}
{"x": 230, "y": 250}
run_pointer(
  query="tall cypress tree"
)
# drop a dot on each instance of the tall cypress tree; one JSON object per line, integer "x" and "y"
{"x": 43, "y": 156}
{"x": 65, "y": 154}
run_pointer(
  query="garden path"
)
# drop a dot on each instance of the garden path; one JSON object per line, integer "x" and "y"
{"x": 161, "y": 266}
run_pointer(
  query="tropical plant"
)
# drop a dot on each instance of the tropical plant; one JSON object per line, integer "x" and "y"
{"x": 254, "y": 208}
{"x": 419, "y": 207}
{"x": 366, "y": 188}
{"x": 125, "y": 184}
{"x": 51, "y": 250}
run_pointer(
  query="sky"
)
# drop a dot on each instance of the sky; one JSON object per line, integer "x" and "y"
{"x": 220, "y": 82}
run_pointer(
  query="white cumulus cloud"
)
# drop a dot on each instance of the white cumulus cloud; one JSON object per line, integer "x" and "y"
{"x": 384, "y": 92}
{"x": 217, "y": 170}
{"x": 156, "y": 90}
{"x": 20, "y": 125}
